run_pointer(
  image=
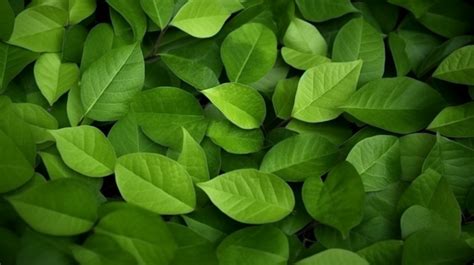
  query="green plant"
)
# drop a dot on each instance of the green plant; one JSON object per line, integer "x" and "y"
{"x": 236, "y": 132}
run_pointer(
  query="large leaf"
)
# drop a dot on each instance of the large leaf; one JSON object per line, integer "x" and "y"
{"x": 161, "y": 112}
{"x": 201, "y": 18}
{"x": 59, "y": 207}
{"x": 456, "y": 121}
{"x": 240, "y": 104}
{"x": 333, "y": 257}
{"x": 86, "y": 150}
{"x": 457, "y": 67}
{"x": 254, "y": 245}
{"x": 132, "y": 12}
{"x": 324, "y": 88}
{"x": 159, "y": 11}
{"x": 300, "y": 157}
{"x": 40, "y": 29}
{"x": 338, "y": 201}
{"x": 234, "y": 139}
{"x": 144, "y": 235}
{"x": 250, "y": 196}
{"x": 388, "y": 104}
{"x": 111, "y": 82}
{"x": 156, "y": 183}
{"x": 322, "y": 10}
{"x": 377, "y": 159}
{"x": 359, "y": 40}
{"x": 249, "y": 52}
{"x": 53, "y": 77}
{"x": 12, "y": 61}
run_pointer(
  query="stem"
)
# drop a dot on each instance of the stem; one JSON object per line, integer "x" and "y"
{"x": 152, "y": 56}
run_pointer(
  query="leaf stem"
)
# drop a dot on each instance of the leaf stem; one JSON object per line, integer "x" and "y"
{"x": 152, "y": 56}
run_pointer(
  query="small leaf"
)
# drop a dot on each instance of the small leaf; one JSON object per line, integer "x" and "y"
{"x": 132, "y": 12}
{"x": 250, "y": 196}
{"x": 322, "y": 10}
{"x": 284, "y": 97}
{"x": 456, "y": 121}
{"x": 234, "y": 139}
{"x": 12, "y": 61}
{"x": 333, "y": 257}
{"x": 159, "y": 11}
{"x": 86, "y": 150}
{"x": 457, "y": 67}
{"x": 304, "y": 37}
{"x": 60, "y": 207}
{"x": 338, "y": 201}
{"x": 249, "y": 52}
{"x": 156, "y": 183}
{"x": 240, "y": 104}
{"x": 324, "y": 88}
{"x": 98, "y": 42}
{"x": 201, "y": 18}
{"x": 193, "y": 158}
{"x": 300, "y": 60}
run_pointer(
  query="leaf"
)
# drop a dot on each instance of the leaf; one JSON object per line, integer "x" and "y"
{"x": 127, "y": 137}
{"x": 457, "y": 67}
{"x": 318, "y": 11}
{"x": 400, "y": 56}
{"x": 59, "y": 207}
{"x": 453, "y": 161}
{"x": 156, "y": 183}
{"x": 300, "y": 157}
{"x": 193, "y": 158}
{"x": 132, "y": 12}
{"x": 159, "y": 11}
{"x": 240, "y": 104}
{"x": 161, "y": 112}
{"x": 387, "y": 252}
{"x": 456, "y": 121}
{"x": 78, "y": 10}
{"x": 38, "y": 119}
{"x": 249, "y": 52}
{"x": 304, "y": 37}
{"x": 142, "y": 234}
{"x": 6, "y": 20}
{"x": 98, "y": 42}
{"x": 338, "y": 201}
{"x": 12, "y": 61}
{"x": 234, "y": 139}
{"x": 111, "y": 82}
{"x": 377, "y": 160}
{"x": 359, "y": 40}
{"x": 100, "y": 249}
{"x": 250, "y": 196}
{"x": 417, "y": 7}
{"x": 284, "y": 97}
{"x": 39, "y": 29}
{"x": 333, "y": 257}
{"x": 324, "y": 88}
{"x": 197, "y": 63}
{"x": 254, "y": 245}
{"x": 201, "y": 18}
{"x": 302, "y": 61}
{"x": 336, "y": 132}
{"x": 388, "y": 104}
{"x": 419, "y": 218}
{"x": 86, "y": 150}
{"x": 414, "y": 148}
{"x": 53, "y": 77}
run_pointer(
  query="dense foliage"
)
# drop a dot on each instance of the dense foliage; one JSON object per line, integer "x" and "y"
{"x": 236, "y": 132}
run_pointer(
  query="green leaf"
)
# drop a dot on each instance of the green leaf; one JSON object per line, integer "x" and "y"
{"x": 98, "y": 42}
{"x": 6, "y": 20}
{"x": 304, "y": 37}
{"x": 336, "y": 132}
{"x": 456, "y": 121}
{"x": 201, "y": 18}
{"x": 300, "y": 60}
{"x": 240, "y": 104}
{"x": 86, "y": 150}
{"x": 455, "y": 162}
{"x": 132, "y": 12}
{"x": 249, "y": 52}
{"x": 78, "y": 10}
{"x": 250, "y": 196}
{"x": 60, "y": 207}
{"x": 388, "y": 104}
{"x": 197, "y": 63}
{"x": 377, "y": 159}
{"x": 387, "y": 252}
{"x": 417, "y": 7}
{"x": 414, "y": 148}
{"x": 12, "y": 61}
{"x": 193, "y": 158}
{"x": 300, "y": 157}
{"x": 284, "y": 97}
{"x": 53, "y": 77}
{"x": 159, "y": 11}
{"x": 457, "y": 67}
{"x": 324, "y": 88}
{"x": 101, "y": 250}
{"x": 39, "y": 29}
{"x": 338, "y": 201}
{"x": 162, "y": 111}
{"x": 38, "y": 119}
{"x": 127, "y": 137}
{"x": 111, "y": 82}
{"x": 400, "y": 56}
{"x": 142, "y": 234}
{"x": 333, "y": 257}
{"x": 254, "y": 245}
{"x": 359, "y": 40}
{"x": 419, "y": 218}
{"x": 234, "y": 139}
{"x": 322, "y": 10}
